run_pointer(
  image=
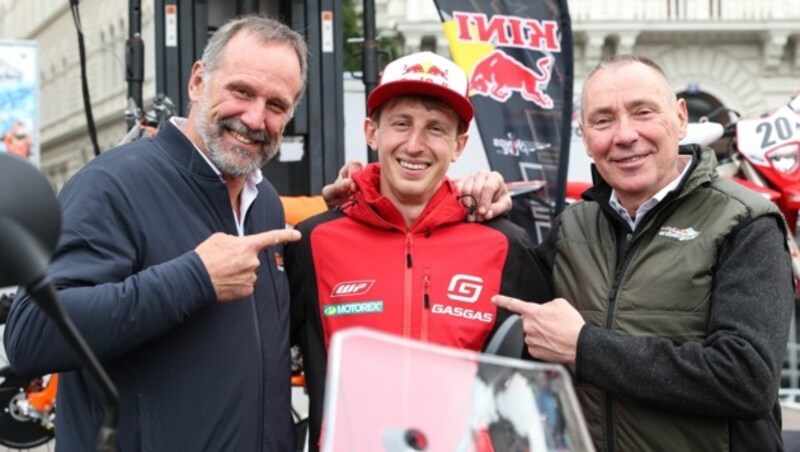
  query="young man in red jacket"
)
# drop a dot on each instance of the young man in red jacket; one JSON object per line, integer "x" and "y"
{"x": 398, "y": 255}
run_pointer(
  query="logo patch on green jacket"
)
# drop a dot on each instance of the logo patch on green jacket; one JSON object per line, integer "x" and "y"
{"x": 680, "y": 234}
{"x": 364, "y": 307}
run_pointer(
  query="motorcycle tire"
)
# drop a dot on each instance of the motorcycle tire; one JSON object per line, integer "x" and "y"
{"x": 14, "y": 432}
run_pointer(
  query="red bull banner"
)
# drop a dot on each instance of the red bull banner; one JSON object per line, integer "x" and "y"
{"x": 518, "y": 56}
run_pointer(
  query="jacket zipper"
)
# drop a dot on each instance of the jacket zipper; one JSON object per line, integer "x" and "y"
{"x": 260, "y": 368}
{"x": 426, "y": 303}
{"x": 407, "y": 286}
{"x": 651, "y": 219}
{"x": 261, "y": 378}
{"x": 625, "y": 252}
{"x": 426, "y": 283}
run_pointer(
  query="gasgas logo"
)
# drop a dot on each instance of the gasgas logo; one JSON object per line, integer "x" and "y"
{"x": 465, "y": 289}
{"x": 352, "y": 288}
{"x": 499, "y": 75}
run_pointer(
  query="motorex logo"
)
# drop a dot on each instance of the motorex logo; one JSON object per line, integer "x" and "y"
{"x": 364, "y": 307}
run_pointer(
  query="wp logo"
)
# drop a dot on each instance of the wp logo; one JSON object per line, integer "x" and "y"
{"x": 351, "y": 288}
{"x": 466, "y": 288}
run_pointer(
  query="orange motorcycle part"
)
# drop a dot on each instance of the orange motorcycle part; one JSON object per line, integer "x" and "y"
{"x": 298, "y": 380}
{"x": 44, "y": 399}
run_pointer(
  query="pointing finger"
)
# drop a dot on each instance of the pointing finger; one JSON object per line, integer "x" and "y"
{"x": 512, "y": 304}
{"x": 274, "y": 237}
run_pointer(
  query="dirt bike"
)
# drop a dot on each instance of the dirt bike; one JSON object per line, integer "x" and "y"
{"x": 27, "y": 405}
{"x": 762, "y": 154}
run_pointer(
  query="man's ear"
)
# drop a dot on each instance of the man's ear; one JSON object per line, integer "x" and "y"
{"x": 370, "y": 133}
{"x": 196, "y": 81}
{"x": 683, "y": 117}
{"x": 461, "y": 144}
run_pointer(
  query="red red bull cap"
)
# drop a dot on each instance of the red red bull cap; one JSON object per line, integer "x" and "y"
{"x": 428, "y": 74}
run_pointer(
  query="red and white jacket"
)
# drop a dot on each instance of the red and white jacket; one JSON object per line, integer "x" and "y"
{"x": 361, "y": 265}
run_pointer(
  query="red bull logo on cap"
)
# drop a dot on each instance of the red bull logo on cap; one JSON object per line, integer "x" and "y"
{"x": 426, "y": 74}
{"x": 426, "y": 71}
{"x": 498, "y": 76}
{"x": 414, "y": 69}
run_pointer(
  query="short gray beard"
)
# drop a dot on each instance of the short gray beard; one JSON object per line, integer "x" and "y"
{"x": 233, "y": 160}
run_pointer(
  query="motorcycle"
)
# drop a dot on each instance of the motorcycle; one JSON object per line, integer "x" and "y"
{"x": 762, "y": 154}
{"x": 27, "y": 406}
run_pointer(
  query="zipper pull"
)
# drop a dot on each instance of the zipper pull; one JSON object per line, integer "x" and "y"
{"x": 426, "y": 282}
{"x": 408, "y": 251}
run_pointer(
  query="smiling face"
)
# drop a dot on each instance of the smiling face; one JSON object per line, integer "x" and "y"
{"x": 632, "y": 124}
{"x": 242, "y": 107}
{"x": 416, "y": 141}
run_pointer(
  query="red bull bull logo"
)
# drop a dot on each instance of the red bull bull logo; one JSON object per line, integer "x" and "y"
{"x": 414, "y": 69}
{"x": 426, "y": 71}
{"x": 498, "y": 76}
{"x": 436, "y": 71}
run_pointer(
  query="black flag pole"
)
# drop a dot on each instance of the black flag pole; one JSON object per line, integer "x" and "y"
{"x": 566, "y": 112}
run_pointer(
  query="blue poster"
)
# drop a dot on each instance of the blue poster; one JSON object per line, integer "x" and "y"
{"x": 19, "y": 99}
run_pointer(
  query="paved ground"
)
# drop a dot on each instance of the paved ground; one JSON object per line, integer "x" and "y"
{"x": 791, "y": 418}
{"x": 791, "y": 434}
{"x": 791, "y": 428}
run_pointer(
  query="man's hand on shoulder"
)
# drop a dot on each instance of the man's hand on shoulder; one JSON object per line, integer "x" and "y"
{"x": 339, "y": 190}
{"x": 489, "y": 191}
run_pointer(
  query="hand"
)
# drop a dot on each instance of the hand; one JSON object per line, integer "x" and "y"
{"x": 232, "y": 261}
{"x": 337, "y": 192}
{"x": 490, "y": 193}
{"x": 551, "y": 329}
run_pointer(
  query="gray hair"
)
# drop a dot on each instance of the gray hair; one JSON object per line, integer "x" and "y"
{"x": 616, "y": 61}
{"x": 622, "y": 60}
{"x": 268, "y": 30}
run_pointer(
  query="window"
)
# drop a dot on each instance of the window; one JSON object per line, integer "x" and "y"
{"x": 428, "y": 43}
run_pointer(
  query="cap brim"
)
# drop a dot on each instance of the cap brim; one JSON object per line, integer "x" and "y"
{"x": 382, "y": 93}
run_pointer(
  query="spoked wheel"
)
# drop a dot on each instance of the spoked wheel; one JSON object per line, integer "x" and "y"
{"x": 17, "y": 429}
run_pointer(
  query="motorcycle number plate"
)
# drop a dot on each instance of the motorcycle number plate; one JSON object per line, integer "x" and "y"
{"x": 755, "y": 137}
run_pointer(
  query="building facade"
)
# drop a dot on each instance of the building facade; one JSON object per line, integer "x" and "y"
{"x": 64, "y": 140}
{"x": 742, "y": 54}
